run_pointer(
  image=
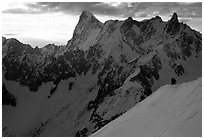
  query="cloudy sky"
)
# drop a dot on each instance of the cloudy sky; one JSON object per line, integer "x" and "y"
{"x": 40, "y": 23}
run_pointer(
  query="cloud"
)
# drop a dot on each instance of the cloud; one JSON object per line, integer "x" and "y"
{"x": 122, "y": 9}
{"x": 185, "y": 20}
{"x": 10, "y": 34}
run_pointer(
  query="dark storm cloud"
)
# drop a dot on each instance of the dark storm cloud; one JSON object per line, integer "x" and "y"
{"x": 167, "y": 9}
{"x": 141, "y": 9}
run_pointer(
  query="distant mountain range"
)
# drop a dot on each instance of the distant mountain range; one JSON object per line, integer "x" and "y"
{"x": 103, "y": 71}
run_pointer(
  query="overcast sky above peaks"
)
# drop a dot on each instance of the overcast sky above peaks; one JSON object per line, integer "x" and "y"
{"x": 40, "y": 23}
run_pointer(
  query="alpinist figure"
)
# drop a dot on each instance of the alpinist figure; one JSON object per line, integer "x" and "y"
{"x": 173, "y": 81}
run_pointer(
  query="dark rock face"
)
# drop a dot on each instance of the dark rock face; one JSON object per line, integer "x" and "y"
{"x": 147, "y": 29}
{"x": 173, "y": 25}
{"x": 93, "y": 55}
{"x": 54, "y": 69}
{"x": 186, "y": 46}
{"x": 127, "y": 28}
{"x": 127, "y": 25}
{"x": 186, "y": 42}
{"x": 7, "y": 97}
{"x": 28, "y": 74}
{"x": 148, "y": 73}
{"x": 108, "y": 84}
{"x": 23, "y": 73}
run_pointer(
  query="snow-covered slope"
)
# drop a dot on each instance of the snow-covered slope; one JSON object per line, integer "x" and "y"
{"x": 172, "y": 110}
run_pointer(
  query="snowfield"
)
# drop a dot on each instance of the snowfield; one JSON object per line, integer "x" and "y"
{"x": 172, "y": 111}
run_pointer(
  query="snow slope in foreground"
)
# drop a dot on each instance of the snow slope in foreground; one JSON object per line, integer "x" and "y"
{"x": 169, "y": 111}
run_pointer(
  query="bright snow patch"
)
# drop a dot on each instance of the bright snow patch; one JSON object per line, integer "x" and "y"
{"x": 170, "y": 111}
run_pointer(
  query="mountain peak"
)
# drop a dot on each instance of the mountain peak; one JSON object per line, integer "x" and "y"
{"x": 173, "y": 25}
{"x": 174, "y": 17}
{"x": 86, "y": 15}
{"x": 86, "y": 12}
{"x": 158, "y": 17}
{"x": 129, "y": 19}
{"x": 87, "y": 24}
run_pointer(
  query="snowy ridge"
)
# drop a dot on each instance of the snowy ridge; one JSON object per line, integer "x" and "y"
{"x": 170, "y": 111}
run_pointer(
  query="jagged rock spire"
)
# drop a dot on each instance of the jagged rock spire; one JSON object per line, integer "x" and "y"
{"x": 87, "y": 22}
{"x": 173, "y": 25}
{"x": 86, "y": 15}
{"x": 174, "y": 17}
